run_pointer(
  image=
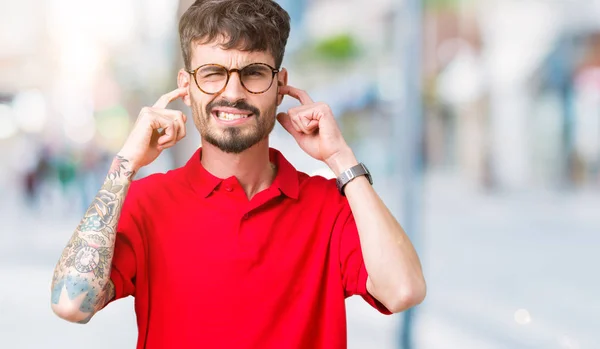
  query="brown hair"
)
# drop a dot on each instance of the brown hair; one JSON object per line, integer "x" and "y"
{"x": 248, "y": 25}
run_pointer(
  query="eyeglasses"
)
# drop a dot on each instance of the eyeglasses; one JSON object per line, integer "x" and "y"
{"x": 256, "y": 78}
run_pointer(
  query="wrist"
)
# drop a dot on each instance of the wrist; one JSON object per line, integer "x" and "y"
{"x": 122, "y": 169}
{"x": 341, "y": 161}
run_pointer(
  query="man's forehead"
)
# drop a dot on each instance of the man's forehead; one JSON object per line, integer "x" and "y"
{"x": 214, "y": 53}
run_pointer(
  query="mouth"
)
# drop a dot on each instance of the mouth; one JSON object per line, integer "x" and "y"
{"x": 231, "y": 115}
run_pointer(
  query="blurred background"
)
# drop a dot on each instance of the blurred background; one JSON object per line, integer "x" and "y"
{"x": 479, "y": 119}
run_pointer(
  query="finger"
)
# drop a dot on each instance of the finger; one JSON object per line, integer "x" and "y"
{"x": 173, "y": 140}
{"x": 172, "y": 113}
{"x": 181, "y": 130}
{"x": 305, "y": 119}
{"x": 298, "y": 126}
{"x": 296, "y": 122}
{"x": 165, "y": 99}
{"x": 312, "y": 126}
{"x": 298, "y": 94}
{"x": 178, "y": 117}
{"x": 287, "y": 123}
{"x": 308, "y": 126}
{"x": 169, "y": 127}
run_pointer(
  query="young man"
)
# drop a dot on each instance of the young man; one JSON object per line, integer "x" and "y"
{"x": 237, "y": 249}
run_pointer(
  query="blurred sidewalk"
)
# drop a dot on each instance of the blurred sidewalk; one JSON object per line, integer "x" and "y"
{"x": 485, "y": 257}
{"x": 30, "y": 244}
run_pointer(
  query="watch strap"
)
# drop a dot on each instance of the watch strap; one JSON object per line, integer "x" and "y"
{"x": 350, "y": 174}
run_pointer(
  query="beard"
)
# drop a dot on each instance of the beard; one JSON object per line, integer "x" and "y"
{"x": 234, "y": 139}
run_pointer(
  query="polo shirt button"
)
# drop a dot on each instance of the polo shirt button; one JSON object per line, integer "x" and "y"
{"x": 247, "y": 215}
{"x": 229, "y": 189}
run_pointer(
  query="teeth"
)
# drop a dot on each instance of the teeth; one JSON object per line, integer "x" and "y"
{"x": 227, "y": 116}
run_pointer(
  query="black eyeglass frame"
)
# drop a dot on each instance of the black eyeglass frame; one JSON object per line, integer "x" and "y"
{"x": 229, "y": 72}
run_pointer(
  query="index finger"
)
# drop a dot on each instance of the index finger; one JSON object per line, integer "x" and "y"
{"x": 300, "y": 95}
{"x": 165, "y": 99}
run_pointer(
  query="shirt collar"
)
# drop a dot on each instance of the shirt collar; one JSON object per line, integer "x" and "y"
{"x": 204, "y": 183}
{"x": 287, "y": 176}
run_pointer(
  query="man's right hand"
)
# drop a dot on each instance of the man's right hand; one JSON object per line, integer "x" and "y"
{"x": 155, "y": 129}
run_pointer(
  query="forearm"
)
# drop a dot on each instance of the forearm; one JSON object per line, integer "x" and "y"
{"x": 395, "y": 273}
{"x": 81, "y": 282}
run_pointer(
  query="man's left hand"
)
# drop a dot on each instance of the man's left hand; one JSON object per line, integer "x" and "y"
{"x": 314, "y": 127}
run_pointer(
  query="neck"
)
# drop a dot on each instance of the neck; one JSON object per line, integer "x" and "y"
{"x": 252, "y": 167}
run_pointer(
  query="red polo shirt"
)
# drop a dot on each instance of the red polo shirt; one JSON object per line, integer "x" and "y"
{"x": 211, "y": 269}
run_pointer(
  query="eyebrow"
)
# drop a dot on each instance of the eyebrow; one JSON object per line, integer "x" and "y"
{"x": 216, "y": 66}
{"x": 211, "y": 68}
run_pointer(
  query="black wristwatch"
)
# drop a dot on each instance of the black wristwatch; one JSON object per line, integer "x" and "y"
{"x": 351, "y": 173}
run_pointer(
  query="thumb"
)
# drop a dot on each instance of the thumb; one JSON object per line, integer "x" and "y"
{"x": 286, "y": 122}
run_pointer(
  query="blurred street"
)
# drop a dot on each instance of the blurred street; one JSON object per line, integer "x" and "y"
{"x": 486, "y": 257}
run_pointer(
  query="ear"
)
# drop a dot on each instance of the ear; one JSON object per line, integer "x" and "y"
{"x": 282, "y": 80}
{"x": 184, "y": 80}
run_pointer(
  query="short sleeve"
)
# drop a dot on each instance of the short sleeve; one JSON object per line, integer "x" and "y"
{"x": 127, "y": 249}
{"x": 354, "y": 273}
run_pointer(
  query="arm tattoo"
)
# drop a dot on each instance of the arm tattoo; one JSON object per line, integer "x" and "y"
{"x": 104, "y": 210}
{"x": 91, "y": 259}
{"x": 82, "y": 273}
{"x": 119, "y": 168}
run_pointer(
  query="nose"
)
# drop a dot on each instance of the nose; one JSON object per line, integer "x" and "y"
{"x": 234, "y": 90}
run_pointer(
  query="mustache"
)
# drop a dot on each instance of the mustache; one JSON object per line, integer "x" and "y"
{"x": 241, "y": 104}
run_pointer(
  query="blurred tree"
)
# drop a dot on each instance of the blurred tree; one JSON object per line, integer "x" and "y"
{"x": 339, "y": 47}
{"x": 444, "y": 4}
